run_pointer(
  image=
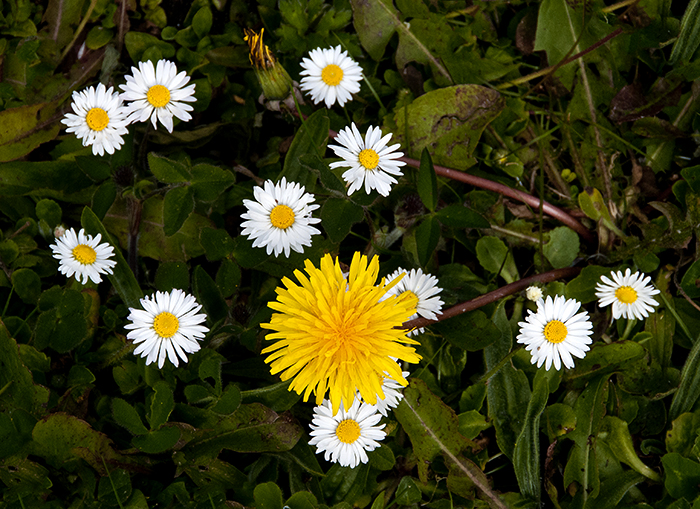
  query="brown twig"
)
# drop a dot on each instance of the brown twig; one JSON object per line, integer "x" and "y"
{"x": 495, "y": 295}
{"x": 532, "y": 201}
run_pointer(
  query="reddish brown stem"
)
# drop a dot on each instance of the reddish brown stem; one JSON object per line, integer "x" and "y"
{"x": 495, "y": 295}
{"x": 532, "y": 201}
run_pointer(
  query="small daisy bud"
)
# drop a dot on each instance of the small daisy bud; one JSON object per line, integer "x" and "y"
{"x": 59, "y": 231}
{"x": 274, "y": 79}
{"x": 533, "y": 293}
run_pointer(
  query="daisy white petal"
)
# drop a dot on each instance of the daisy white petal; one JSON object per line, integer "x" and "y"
{"x": 371, "y": 163}
{"x": 392, "y": 392}
{"x": 346, "y": 436}
{"x": 330, "y": 75}
{"x": 158, "y": 93}
{"x": 555, "y": 332}
{"x": 83, "y": 255}
{"x": 424, "y": 290}
{"x": 280, "y": 218}
{"x": 631, "y": 295}
{"x": 99, "y": 119}
{"x": 168, "y": 326}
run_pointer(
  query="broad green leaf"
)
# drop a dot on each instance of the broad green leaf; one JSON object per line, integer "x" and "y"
{"x": 616, "y": 433}
{"x": 314, "y": 164}
{"x": 682, "y": 476}
{"x": 201, "y": 22}
{"x": 24, "y": 478}
{"x": 471, "y": 331}
{"x": 114, "y": 489}
{"x": 122, "y": 278}
{"x": 459, "y": 216}
{"x": 98, "y": 37}
{"x": 427, "y": 238}
{"x": 311, "y": 138}
{"x": 172, "y": 275}
{"x": 338, "y": 215}
{"x": 562, "y": 248}
{"x": 166, "y": 170}
{"x": 407, "y": 492}
{"x": 508, "y": 390}
{"x": 302, "y": 500}
{"x": 452, "y": 142}
{"x": 689, "y": 36}
{"x": 208, "y": 295}
{"x": 62, "y": 17}
{"x": 557, "y": 420}
{"x": 526, "y": 454}
{"x": 662, "y": 326}
{"x": 103, "y": 198}
{"x": 691, "y": 280}
{"x": 683, "y": 433}
{"x": 582, "y": 466}
{"x": 613, "y": 489}
{"x": 276, "y": 396}
{"x": 177, "y": 207}
{"x": 593, "y": 205}
{"x": 49, "y": 211}
{"x": 63, "y": 439}
{"x": 137, "y": 43}
{"x": 15, "y": 431}
{"x": 228, "y": 277}
{"x": 495, "y": 257}
{"x": 24, "y": 128}
{"x": 126, "y": 416}
{"x": 158, "y": 441}
{"x": 55, "y": 179}
{"x": 345, "y": 484}
{"x": 64, "y": 326}
{"x": 427, "y": 181}
{"x": 472, "y": 423}
{"x": 229, "y": 402}
{"x": 268, "y": 496}
{"x": 382, "y": 458}
{"x": 582, "y": 287}
{"x": 27, "y": 285}
{"x": 217, "y": 243}
{"x": 162, "y": 404}
{"x": 605, "y": 359}
{"x": 208, "y": 181}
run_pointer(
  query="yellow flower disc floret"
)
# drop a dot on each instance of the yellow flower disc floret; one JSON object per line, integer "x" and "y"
{"x": 97, "y": 119}
{"x": 555, "y": 331}
{"x": 348, "y": 431}
{"x": 332, "y": 75}
{"x": 368, "y": 158}
{"x": 626, "y": 295}
{"x": 335, "y": 335}
{"x": 166, "y": 324}
{"x": 84, "y": 254}
{"x": 282, "y": 217}
{"x": 158, "y": 96}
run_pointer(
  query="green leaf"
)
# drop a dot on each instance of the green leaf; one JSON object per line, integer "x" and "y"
{"x": 427, "y": 238}
{"x": 201, "y": 22}
{"x": 408, "y": 492}
{"x": 126, "y": 416}
{"x": 691, "y": 280}
{"x": 57, "y": 179}
{"x": 115, "y": 488}
{"x": 683, "y": 433}
{"x": 582, "y": 287}
{"x": 452, "y": 137}
{"x": 459, "y": 216}
{"x": 562, "y": 248}
{"x": 268, "y": 496}
{"x": 208, "y": 181}
{"x": 172, "y": 275}
{"x": 27, "y": 285}
{"x": 229, "y": 402}
{"x": 382, "y": 458}
{"x": 24, "y": 128}
{"x": 166, "y": 170}
{"x": 122, "y": 278}
{"x": 508, "y": 390}
{"x": 495, "y": 257}
{"x": 177, "y": 207}
{"x": 62, "y": 18}
{"x": 662, "y": 326}
{"x": 276, "y": 396}
{"x": 103, "y": 198}
{"x": 217, "y": 243}
{"x": 559, "y": 419}
{"x": 302, "y": 500}
{"x": 526, "y": 454}
{"x": 338, "y": 215}
{"x": 616, "y": 433}
{"x": 427, "y": 181}
{"x": 613, "y": 489}
{"x": 138, "y": 42}
{"x": 158, "y": 441}
{"x": 329, "y": 180}
{"x": 682, "y": 476}
{"x": 470, "y": 331}
{"x": 228, "y": 277}
{"x": 311, "y": 138}
{"x": 472, "y": 423}
{"x": 689, "y": 388}
{"x": 162, "y": 404}
{"x": 49, "y": 211}
{"x": 689, "y": 36}
{"x": 208, "y": 294}
{"x": 98, "y": 37}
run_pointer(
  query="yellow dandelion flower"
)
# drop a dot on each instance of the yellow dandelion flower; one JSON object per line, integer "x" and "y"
{"x": 336, "y": 334}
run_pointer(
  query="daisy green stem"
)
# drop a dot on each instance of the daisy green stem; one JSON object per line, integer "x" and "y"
{"x": 679, "y": 320}
{"x": 631, "y": 322}
{"x": 7, "y": 302}
{"x": 21, "y": 502}
{"x": 114, "y": 489}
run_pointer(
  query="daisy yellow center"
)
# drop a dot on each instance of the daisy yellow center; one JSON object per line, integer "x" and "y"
{"x": 166, "y": 324}
{"x": 369, "y": 158}
{"x": 97, "y": 119}
{"x": 84, "y": 254}
{"x": 348, "y": 431}
{"x": 626, "y": 295}
{"x": 555, "y": 331}
{"x": 158, "y": 96}
{"x": 282, "y": 217}
{"x": 332, "y": 75}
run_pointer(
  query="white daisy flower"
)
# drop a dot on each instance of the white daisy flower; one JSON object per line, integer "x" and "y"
{"x": 533, "y": 293}
{"x": 330, "y": 75}
{"x": 630, "y": 294}
{"x": 555, "y": 333}
{"x": 83, "y": 256}
{"x": 167, "y": 325}
{"x": 392, "y": 393}
{"x": 422, "y": 287}
{"x": 158, "y": 93}
{"x": 99, "y": 119}
{"x": 370, "y": 160}
{"x": 280, "y": 217}
{"x": 346, "y": 436}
